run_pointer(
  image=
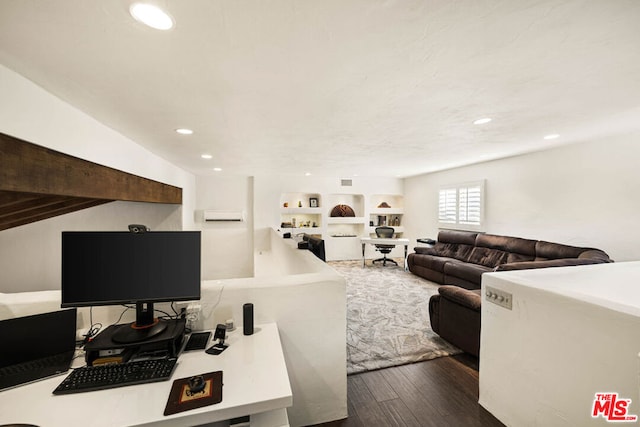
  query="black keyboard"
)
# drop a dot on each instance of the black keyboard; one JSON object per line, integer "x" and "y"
{"x": 90, "y": 378}
{"x": 197, "y": 341}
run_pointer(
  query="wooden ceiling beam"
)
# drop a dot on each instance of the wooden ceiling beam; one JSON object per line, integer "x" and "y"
{"x": 30, "y": 168}
{"x": 34, "y": 209}
{"x": 37, "y": 183}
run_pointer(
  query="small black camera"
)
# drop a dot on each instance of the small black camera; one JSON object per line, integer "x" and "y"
{"x": 138, "y": 228}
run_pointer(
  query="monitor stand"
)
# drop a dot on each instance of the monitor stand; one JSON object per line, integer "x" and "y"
{"x": 144, "y": 328}
{"x": 169, "y": 341}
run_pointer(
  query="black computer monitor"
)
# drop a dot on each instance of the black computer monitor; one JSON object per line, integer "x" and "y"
{"x": 107, "y": 268}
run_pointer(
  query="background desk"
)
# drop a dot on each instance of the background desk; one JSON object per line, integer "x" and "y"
{"x": 254, "y": 376}
{"x": 384, "y": 241}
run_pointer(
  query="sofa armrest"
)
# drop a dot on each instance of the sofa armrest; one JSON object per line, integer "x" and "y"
{"x": 465, "y": 297}
{"x": 425, "y": 250}
{"x": 563, "y": 262}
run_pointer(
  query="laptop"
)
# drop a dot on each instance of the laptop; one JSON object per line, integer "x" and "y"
{"x": 36, "y": 347}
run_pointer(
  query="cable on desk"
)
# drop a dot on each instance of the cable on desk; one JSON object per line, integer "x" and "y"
{"x": 94, "y": 328}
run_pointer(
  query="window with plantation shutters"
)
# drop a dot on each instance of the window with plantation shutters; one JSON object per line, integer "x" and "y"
{"x": 448, "y": 206}
{"x": 461, "y": 206}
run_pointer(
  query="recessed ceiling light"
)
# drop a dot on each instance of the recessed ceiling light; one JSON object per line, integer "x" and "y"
{"x": 552, "y": 136}
{"x": 217, "y": 169}
{"x": 184, "y": 131}
{"x": 151, "y": 15}
{"x": 207, "y": 156}
{"x": 307, "y": 174}
{"x": 482, "y": 121}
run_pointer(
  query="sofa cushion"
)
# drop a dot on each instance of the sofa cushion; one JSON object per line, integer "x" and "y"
{"x": 518, "y": 249}
{"x": 548, "y": 250}
{"x": 455, "y": 244}
{"x": 595, "y": 254}
{"x": 468, "y": 298}
{"x": 468, "y": 272}
{"x": 459, "y": 237}
{"x": 560, "y": 262}
{"x": 456, "y": 313}
{"x": 425, "y": 250}
{"x": 432, "y": 262}
{"x": 488, "y": 257}
{"x": 453, "y": 250}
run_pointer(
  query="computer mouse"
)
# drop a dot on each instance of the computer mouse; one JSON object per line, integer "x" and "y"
{"x": 196, "y": 384}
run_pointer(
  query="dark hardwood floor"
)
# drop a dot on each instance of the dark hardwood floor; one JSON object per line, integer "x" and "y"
{"x": 439, "y": 392}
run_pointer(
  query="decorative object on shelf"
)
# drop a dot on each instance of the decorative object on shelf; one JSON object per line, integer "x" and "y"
{"x": 299, "y": 203}
{"x": 285, "y": 204}
{"x": 382, "y": 220}
{"x": 395, "y": 222}
{"x": 313, "y": 202}
{"x": 384, "y": 205}
{"x": 342, "y": 211}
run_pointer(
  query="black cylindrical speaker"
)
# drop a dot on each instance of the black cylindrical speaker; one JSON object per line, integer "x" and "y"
{"x": 247, "y": 317}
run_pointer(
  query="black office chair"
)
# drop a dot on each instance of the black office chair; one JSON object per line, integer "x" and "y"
{"x": 386, "y": 232}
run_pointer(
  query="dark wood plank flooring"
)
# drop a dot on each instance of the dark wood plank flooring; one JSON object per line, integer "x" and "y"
{"x": 435, "y": 393}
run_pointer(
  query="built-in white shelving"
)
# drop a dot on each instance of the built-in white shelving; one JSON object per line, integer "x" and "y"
{"x": 341, "y": 233}
{"x": 388, "y": 210}
{"x": 301, "y": 212}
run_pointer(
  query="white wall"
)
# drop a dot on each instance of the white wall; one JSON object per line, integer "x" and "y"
{"x": 581, "y": 194}
{"x": 29, "y": 254}
{"x": 30, "y": 257}
{"x": 227, "y": 247}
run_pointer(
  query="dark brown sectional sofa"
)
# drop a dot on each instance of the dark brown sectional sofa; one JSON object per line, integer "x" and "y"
{"x": 458, "y": 260}
{"x": 460, "y": 257}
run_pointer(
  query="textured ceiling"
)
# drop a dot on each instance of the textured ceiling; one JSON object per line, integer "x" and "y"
{"x": 337, "y": 87}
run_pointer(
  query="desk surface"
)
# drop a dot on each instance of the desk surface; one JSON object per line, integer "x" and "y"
{"x": 384, "y": 241}
{"x": 254, "y": 375}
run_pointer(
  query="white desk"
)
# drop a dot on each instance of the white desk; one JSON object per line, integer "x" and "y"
{"x": 254, "y": 376}
{"x": 384, "y": 241}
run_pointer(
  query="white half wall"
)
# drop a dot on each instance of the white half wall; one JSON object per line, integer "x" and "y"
{"x": 581, "y": 194}
{"x": 572, "y": 333}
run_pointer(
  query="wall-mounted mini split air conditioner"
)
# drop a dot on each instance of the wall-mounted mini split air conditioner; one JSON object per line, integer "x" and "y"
{"x": 224, "y": 216}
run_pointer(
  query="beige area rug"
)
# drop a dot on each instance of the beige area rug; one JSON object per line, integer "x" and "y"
{"x": 388, "y": 317}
